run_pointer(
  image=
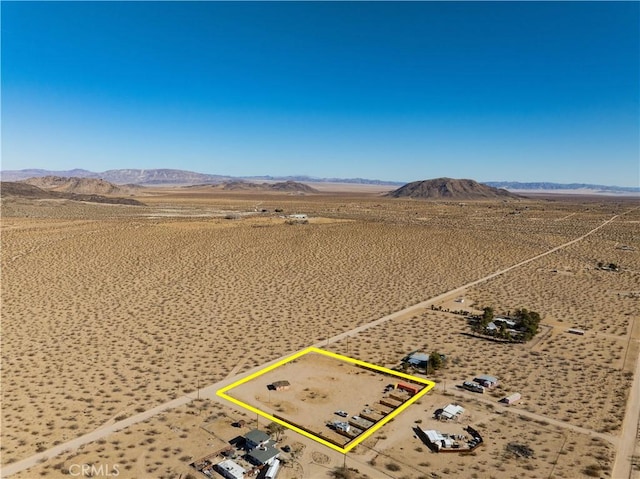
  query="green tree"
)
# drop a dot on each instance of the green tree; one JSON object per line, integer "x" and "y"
{"x": 487, "y": 316}
{"x": 528, "y": 321}
{"x": 435, "y": 360}
{"x": 275, "y": 429}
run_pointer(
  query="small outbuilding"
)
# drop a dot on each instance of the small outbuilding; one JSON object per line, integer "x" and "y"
{"x": 451, "y": 411}
{"x": 417, "y": 360}
{"x": 511, "y": 399}
{"x": 280, "y": 385}
{"x": 411, "y": 389}
{"x": 437, "y": 440}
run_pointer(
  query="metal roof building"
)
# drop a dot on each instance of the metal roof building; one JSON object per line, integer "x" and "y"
{"x": 418, "y": 360}
{"x": 451, "y": 411}
{"x": 231, "y": 470}
{"x": 256, "y": 438}
{"x": 263, "y": 455}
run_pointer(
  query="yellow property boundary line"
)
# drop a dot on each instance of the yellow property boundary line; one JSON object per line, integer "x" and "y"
{"x": 354, "y": 442}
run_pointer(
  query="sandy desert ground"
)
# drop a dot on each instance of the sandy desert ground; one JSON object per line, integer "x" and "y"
{"x": 318, "y": 387}
{"x": 109, "y": 310}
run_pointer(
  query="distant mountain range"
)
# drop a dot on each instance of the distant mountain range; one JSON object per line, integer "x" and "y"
{"x": 173, "y": 177}
{"x": 183, "y": 177}
{"x": 123, "y": 177}
{"x": 515, "y": 185}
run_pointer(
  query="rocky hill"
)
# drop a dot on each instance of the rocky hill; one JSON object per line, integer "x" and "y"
{"x": 293, "y": 187}
{"x": 9, "y": 189}
{"x": 450, "y": 189}
{"x": 287, "y": 186}
{"x": 86, "y": 186}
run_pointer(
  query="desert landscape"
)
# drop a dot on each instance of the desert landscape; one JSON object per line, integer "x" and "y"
{"x": 110, "y": 310}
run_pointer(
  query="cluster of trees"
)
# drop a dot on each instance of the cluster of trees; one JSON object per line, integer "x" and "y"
{"x": 526, "y": 323}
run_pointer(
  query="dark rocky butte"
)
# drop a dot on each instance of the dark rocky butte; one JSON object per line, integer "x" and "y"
{"x": 450, "y": 189}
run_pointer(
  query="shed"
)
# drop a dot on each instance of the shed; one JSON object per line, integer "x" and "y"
{"x": 231, "y": 470}
{"x": 413, "y": 390}
{"x": 417, "y": 360}
{"x": 451, "y": 411}
{"x": 437, "y": 439}
{"x": 280, "y": 385}
{"x": 513, "y": 398}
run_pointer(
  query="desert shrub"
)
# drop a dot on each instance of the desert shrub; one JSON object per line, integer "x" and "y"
{"x": 592, "y": 470}
{"x": 342, "y": 473}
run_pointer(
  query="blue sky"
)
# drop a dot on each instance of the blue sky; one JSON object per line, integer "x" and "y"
{"x": 523, "y": 91}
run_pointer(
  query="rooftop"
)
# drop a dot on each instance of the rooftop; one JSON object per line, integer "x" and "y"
{"x": 256, "y": 436}
{"x": 235, "y": 469}
{"x": 264, "y": 454}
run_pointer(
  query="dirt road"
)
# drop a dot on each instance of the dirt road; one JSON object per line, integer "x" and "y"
{"x": 622, "y": 459}
{"x": 627, "y": 441}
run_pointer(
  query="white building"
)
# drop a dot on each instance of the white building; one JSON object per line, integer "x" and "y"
{"x": 452, "y": 411}
{"x": 513, "y": 398}
{"x": 438, "y": 439}
{"x": 231, "y": 470}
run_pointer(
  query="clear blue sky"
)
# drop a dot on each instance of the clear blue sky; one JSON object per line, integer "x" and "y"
{"x": 526, "y": 91}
